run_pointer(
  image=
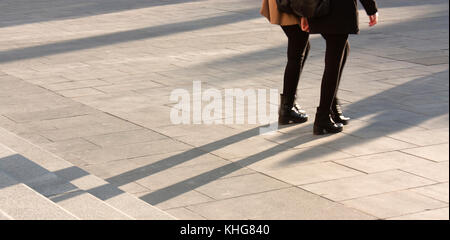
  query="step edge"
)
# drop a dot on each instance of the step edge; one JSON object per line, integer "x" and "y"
{"x": 4, "y": 132}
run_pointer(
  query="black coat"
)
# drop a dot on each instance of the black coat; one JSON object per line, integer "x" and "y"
{"x": 343, "y": 17}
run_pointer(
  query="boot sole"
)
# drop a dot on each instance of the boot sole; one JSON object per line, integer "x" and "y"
{"x": 343, "y": 122}
{"x": 323, "y": 131}
{"x": 290, "y": 121}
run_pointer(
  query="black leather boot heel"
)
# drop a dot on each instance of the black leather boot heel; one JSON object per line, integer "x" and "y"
{"x": 324, "y": 124}
{"x": 290, "y": 112}
{"x": 337, "y": 115}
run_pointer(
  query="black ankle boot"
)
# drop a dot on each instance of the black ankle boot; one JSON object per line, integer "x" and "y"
{"x": 325, "y": 124}
{"x": 290, "y": 112}
{"x": 337, "y": 115}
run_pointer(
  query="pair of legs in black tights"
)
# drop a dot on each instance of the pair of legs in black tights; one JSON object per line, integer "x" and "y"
{"x": 335, "y": 58}
{"x": 298, "y": 49}
{"x": 297, "y": 53}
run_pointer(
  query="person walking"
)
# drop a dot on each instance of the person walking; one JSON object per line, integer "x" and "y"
{"x": 297, "y": 53}
{"x": 335, "y": 29}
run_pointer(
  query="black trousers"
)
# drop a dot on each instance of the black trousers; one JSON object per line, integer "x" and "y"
{"x": 336, "y": 55}
{"x": 335, "y": 58}
{"x": 297, "y": 53}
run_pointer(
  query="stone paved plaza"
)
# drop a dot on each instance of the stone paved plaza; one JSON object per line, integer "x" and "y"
{"x": 85, "y": 114}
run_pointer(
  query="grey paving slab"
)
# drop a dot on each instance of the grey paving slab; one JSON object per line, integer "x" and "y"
{"x": 35, "y": 138}
{"x": 128, "y": 86}
{"x": 122, "y": 138}
{"x": 199, "y": 174}
{"x": 368, "y": 146}
{"x": 291, "y": 203}
{"x": 424, "y": 98}
{"x": 436, "y": 123}
{"x": 197, "y": 135}
{"x": 133, "y": 188}
{"x": 437, "y": 214}
{"x": 430, "y": 109}
{"x": 178, "y": 159}
{"x": 436, "y": 153}
{"x": 246, "y": 148}
{"x": 365, "y": 185}
{"x": 112, "y": 153}
{"x": 70, "y": 122}
{"x": 185, "y": 214}
{"x": 437, "y": 191}
{"x": 372, "y": 130}
{"x": 296, "y": 158}
{"x": 400, "y": 203}
{"x": 305, "y": 139}
{"x": 383, "y": 162}
{"x": 71, "y": 145}
{"x": 241, "y": 185}
{"x": 50, "y": 114}
{"x": 70, "y": 85}
{"x": 159, "y": 114}
{"x": 434, "y": 171}
{"x": 88, "y": 130}
{"x": 168, "y": 201}
{"x": 416, "y": 55}
{"x": 423, "y": 138}
{"x": 312, "y": 173}
{"x": 429, "y": 61}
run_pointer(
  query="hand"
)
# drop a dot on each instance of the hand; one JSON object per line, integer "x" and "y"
{"x": 373, "y": 20}
{"x": 304, "y": 24}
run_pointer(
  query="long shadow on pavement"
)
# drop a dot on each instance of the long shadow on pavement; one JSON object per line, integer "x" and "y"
{"x": 125, "y": 36}
{"x": 192, "y": 183}
{"x": 32, "y": 11}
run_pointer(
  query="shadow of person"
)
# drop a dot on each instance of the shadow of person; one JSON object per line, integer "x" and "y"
{"x": 174, "y": 190}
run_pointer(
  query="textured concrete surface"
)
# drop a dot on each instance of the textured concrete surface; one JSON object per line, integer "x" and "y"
{"x": 90, "y": 80}
{"x": 42, "y": 178}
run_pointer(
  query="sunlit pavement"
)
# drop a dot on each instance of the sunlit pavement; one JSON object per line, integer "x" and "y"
{"x": 90, "y": 80}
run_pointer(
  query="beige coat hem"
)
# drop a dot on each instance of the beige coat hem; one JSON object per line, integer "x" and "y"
{"x": 269, "y": 10}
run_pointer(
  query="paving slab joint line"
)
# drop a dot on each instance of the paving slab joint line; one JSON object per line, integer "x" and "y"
{"x": 387, "y": 136}
{"x": 192, "y": 211}
{"x": 139, "y": 125}
{"x": 421, "y": 157}
{"x": 376, "y": 194}
{"x": 343, "y": 165}
{"x": 47, "y": 119}
{"x": 359, "y": 210}
{"x": 331, "y": 200}
{"x": 223, "y": 199}
{"x": 365, "y": 155}
{"x": 419, "y": 176}
{"x": 250, "y": 194}
{"x": 427, "y": 210}
{"x": 378, "y": 172}
{"x": 423, "y": 195}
